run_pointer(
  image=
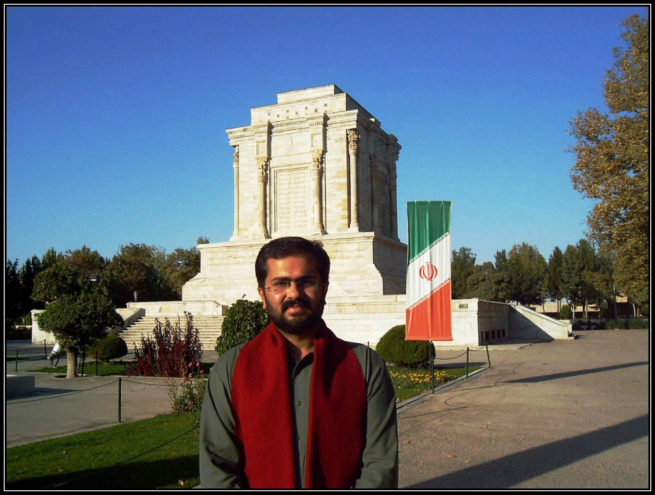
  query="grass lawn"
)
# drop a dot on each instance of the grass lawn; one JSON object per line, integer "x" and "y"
{"x": 156, "y": 453}
{"x": 103, "y": 369}
{"x": 161, "y": 452}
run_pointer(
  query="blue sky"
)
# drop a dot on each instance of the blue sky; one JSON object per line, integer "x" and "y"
{"x": 116, "y": 116}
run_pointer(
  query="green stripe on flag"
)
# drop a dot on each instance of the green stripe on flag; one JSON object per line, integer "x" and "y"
{"x": 427, "y": 222}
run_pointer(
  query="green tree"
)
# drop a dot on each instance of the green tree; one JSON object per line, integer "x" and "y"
{"x": 555, "y": 276}
{"x": 57, "y": 280}
{"x": 12, "y": 290}
{"x": 483, "y": 282}
{"x": 461, "y": 267}
{"x": 526, "y": 268}
{"x": 27, "y": 273}
{"x": 580, "y": 280}
{"x": 49, "y": 258}
{"x": 69, "y": 273}
{"x": 77, "y": 320}
{"x": 612, "y": 161}
{"x": 136, "y": 268}
{"x": 572, "y": 280}
{"x": 181, "y": 266}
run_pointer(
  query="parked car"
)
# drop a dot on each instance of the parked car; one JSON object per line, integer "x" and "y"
{"x": 587, "y": 325}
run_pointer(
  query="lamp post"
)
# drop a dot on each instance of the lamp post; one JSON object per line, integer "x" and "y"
{"x": 93, "y": 278}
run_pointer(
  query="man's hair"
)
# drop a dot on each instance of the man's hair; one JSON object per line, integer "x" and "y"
{"x": 290, "y": 246}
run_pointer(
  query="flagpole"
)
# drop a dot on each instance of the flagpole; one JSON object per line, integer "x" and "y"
{"x": 431, "y": 364}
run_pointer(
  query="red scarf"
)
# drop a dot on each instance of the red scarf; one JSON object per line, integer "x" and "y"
{"x": 261, "y": 401}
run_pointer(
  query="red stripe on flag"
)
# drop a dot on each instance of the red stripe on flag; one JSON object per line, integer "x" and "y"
{"x": 430, "y": 319}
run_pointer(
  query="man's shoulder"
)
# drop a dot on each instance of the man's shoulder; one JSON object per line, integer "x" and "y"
{"x": 365, "y": 353}
{"x": 226, "y": 361}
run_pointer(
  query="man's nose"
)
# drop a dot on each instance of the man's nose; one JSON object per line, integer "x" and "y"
{"x": 293, "y": 291}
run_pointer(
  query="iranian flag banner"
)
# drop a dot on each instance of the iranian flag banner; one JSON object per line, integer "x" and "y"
{"x": 428, "y": 315}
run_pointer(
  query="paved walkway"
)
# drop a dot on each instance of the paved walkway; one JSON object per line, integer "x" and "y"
{"x": 563, "y": 414}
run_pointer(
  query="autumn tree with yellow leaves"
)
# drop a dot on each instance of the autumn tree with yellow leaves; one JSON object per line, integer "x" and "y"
{"x": 612, "y": 162}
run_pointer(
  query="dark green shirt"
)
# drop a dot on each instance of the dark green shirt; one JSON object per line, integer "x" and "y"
{"x": 220, "y": 462}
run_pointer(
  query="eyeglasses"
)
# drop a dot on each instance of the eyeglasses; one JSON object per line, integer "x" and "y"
{"x": 283, "y": 285}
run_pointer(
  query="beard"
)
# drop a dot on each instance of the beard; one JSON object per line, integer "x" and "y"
{"x": 297, "y": 324}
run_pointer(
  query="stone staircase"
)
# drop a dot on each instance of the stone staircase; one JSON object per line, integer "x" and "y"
{"x": 209, "y": 328}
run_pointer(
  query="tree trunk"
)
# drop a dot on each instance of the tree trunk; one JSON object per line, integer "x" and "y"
{"x": 71, "y": 364}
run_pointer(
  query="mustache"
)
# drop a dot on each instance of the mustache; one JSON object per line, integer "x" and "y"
{"x": 295, "y": 302}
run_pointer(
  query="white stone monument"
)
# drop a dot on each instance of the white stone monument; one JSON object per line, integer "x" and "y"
{"x": 316, "y": 165}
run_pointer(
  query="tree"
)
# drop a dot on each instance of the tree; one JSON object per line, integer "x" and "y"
{"x": 12, "y": 290}
{"x": 30, "y": 269}
{"x": 57, "y": 280}
{"x": 580, "y": 275}
{"x": 136, "y": 268}
{"x": 612, "y": 161}
{"x": 483, "y": 282}
{"x": 77, "y": 320}
{"x": 555, "y": 276}
{"x": 461, "y": 266}
{"x": 526, "y": 268}
{"x": 181, "y": 266}
{"x": 77, "y": 312}
{"x": 572, "y": 277}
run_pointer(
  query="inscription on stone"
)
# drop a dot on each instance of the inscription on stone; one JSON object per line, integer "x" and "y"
{"x": 291, "y": 205}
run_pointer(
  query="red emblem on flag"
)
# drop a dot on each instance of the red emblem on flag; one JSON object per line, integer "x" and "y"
{"x": 427, "y": 271}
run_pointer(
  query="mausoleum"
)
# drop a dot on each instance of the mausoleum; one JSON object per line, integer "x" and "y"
{"x": 318, "y": 165}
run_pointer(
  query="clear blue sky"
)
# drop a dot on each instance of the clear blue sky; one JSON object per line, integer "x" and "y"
{"x": 116, "y": 116}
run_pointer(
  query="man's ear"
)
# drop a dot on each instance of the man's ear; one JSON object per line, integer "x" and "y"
{"x": 261, "y": 293}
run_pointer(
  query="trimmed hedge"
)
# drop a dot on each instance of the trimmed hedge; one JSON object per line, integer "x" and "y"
{"x": 565, "y": 312}
{"x": 632, "y": 323}
{"x": 637, "y": 323}
{"x": 395, "y": 349}
{"x": 243, "y": 320}
{"x": 109, "y": 347}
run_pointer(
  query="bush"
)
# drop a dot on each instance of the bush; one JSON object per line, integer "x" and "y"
{"x": 395, "y": 349}
{"x": 170, "y": 352}
{"x": 243, "y": 320}
{"x": 186, "y": 397}
{"x": 109, "y": 347}
{"x": 565, "y": 312}
{"x": 634, "y": 323}
{"x": 610, "y": 324}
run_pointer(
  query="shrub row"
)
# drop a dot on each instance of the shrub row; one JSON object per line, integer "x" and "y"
{"x": 632, "y": 323}
{"x": 393, "y": 348}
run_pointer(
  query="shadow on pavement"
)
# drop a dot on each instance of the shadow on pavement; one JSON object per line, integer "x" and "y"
{"x": 575, "y": 373}
{"x": 521, "y": 466}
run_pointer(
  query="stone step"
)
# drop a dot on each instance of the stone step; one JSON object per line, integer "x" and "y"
{"x": 209, "y": 328}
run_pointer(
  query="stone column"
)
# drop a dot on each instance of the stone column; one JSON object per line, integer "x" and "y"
{"x": 262, "y": 179}
{"x": 372, "y": 173}
{"x": 393, "y": 227}
{"x": 353, "y": 139}
{"x": 236, "y": 191}
{"x": 317, "y": 173}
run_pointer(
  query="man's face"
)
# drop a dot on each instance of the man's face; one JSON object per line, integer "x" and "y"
{"x": 298, "y": 308}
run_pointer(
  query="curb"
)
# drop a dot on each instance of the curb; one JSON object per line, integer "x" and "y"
{"x": 416, "y": 398}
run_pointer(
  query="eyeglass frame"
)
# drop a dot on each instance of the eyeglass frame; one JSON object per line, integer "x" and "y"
{"x": 302, "y": 285}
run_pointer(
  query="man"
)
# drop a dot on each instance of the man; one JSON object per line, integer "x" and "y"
{"x": 296, "y": 407}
